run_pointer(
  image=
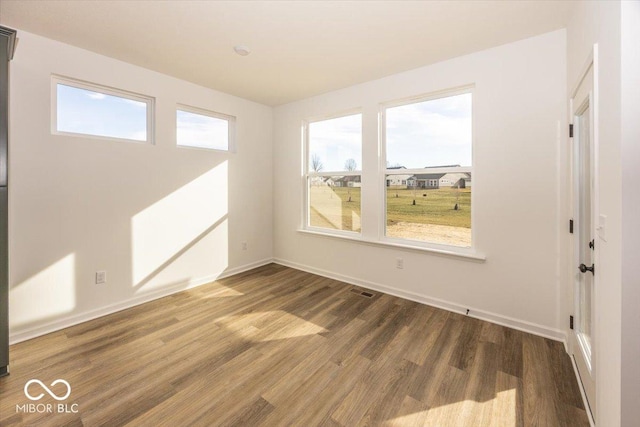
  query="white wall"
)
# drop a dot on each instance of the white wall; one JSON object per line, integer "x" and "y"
{"x": 520, "y": 120}
{"x": 599, "y": 22}
{"x": 630, "y": 154}
{"x": 157, "y": 218}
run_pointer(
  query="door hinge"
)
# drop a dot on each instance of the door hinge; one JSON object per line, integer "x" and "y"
{"x": 570, "y": 322}
{"x": 571, "y": 226}
{"x": 570, "y": 131}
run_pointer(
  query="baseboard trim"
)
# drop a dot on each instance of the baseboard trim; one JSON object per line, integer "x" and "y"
{"x": 56, "y": 325}
{"x": 521, "y": 325}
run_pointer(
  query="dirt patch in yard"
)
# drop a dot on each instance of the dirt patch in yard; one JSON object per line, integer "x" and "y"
{"x": 442, "y": 234}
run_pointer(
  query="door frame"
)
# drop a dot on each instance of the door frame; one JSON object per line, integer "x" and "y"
{"x": 590, "y": 66}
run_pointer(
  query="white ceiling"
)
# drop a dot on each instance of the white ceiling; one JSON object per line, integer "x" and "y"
{"x": 299, "y": 48}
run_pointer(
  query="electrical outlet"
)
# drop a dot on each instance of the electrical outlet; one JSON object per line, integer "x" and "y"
{"x": 399, "y": 263}
{"x": 244, "y": 246}
{"x": 101, "y": 277}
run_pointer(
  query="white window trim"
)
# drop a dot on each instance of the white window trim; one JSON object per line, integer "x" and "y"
{"x": 93, "y": 87}
{"x": 402, "y": 244}
{"x": 307, "y": 175}
{"x": 384, "y": 172}
{"x": 231, "y": 120}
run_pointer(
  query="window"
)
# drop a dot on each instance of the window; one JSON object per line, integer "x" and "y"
{"x": 91, "y": 110}
{"x": 204, "y": 129}
{"x": 333, "y": 173}
{"x": 431, "y": 139}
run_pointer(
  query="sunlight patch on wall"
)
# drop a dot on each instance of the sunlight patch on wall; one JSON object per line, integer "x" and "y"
{"x": 164, "y": 231}
{"x": 53, "y": 290}
{"x": 205, "y": 259}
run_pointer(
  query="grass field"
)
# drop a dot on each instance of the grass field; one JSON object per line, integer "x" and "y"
{"x": 330, "y": 208}
{"x": 437, "y": 207}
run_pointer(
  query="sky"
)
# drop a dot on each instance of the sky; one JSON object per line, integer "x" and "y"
{"x": 430, "y": 133}
{"x": 93, "y": 113}
{"x": 197, "y": 130}
{"x": 335, "y": 141}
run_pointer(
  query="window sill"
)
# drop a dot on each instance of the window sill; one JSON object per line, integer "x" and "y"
{"x": 473, "y": 256}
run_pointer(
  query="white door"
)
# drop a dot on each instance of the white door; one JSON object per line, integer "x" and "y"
{"x": 584, "y": 244}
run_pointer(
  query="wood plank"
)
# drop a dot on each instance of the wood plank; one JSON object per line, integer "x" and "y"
{"x": 480, "y": 392}
{"x": 426, "y": 383}
{"x": 467, "y": 343}
{"x": 251, "y": 415}
{"x": 387, "y": 400}
{"x": 371, "y": 388}
{"x": 304, "y": 396}
{"x": 413, "y": 413}
{"x": 511, "y": 350}
{"x": 426, "y": 327}
{"x": 333, "y": 394}
{"x": 539, "y": 393}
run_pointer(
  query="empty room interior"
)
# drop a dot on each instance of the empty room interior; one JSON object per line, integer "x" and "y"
{"x": 319, "y": 213}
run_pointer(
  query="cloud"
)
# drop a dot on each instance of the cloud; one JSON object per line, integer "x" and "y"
{"x": 202, "y": 131}
{"x": 431, "y": 133}
{"x": 96, "y": 95}
{"x": 336, "y": 140}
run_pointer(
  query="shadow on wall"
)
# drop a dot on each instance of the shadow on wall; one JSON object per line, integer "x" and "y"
{"x": 146, "y": 233}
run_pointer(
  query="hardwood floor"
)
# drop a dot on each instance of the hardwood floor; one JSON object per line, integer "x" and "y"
{"x": 277, "y": 346}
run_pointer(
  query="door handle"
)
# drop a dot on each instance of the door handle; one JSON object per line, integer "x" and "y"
{"x": 583, "y": 268}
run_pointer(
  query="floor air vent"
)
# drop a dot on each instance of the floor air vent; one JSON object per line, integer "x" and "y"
{"x": 362, "y": 293}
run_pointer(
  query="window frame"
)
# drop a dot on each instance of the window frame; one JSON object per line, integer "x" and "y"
{"x": 231, "y": 125}
{"x": 150, "y": 101}
{"x": 384, "y": 172}
{"x": 307, "y": 175}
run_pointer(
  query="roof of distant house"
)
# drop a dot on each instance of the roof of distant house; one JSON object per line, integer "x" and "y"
{"x": 429, "y": 175}
{"x": 465, "y": 176}
{"x": 350, "y": 178}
